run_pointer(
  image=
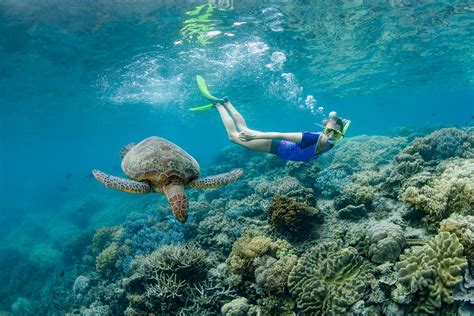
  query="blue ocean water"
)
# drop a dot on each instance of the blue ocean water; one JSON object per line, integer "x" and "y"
{"x": 81, "y": 79}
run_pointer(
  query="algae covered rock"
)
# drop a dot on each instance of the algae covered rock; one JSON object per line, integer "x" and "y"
{"x": 329, "y": 279}
{"x": 289, "y": 216}
{"x": 427, "y": 275}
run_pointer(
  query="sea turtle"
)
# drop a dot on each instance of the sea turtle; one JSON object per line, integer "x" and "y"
{"x": 157, "y": 165}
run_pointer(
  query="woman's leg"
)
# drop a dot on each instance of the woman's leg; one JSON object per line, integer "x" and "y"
{"x": 262, "y": 145}
{"x": 239, "y": 119}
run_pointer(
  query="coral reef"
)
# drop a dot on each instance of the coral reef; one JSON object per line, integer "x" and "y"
{"x": 450, "y": 191}
{"x": 386, "y": 241}
{"x": 246, "y": 249}
{"x": 329, "y": 279}
{"x": 463, "y": 227}
{"x": 106, "y": 260}
{"x": 289, "y": 216}
{"x": 427, "y": 275}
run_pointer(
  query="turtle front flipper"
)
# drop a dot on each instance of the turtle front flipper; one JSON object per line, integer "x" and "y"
{"x": 121, "y": 184}
{"x": 178, "y": 201}
{"x": 216, "y": 180}
{"x": 125, "y": 149}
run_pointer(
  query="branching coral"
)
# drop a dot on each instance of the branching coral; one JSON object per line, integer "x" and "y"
{"x": 451, "y": 191}
{"x": 289, "y": 216}
{"x": 106, "y": 260}
{"x": 430, "y": 273}
{"x": 442, "y": 144}
{"x": 329, "y": 279}
{"x": 187, "y": 262}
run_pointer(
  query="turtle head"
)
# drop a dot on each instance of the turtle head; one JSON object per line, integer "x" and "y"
{"x": 178, "y": 201}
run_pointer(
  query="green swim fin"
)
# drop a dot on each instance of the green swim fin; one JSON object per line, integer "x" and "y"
{"x": 202, "y": 108}
{"x": 205, "y": 92}
{"x": 203, "y": 88}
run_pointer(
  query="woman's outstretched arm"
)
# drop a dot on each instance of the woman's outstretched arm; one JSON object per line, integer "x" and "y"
{"x": 248, "y": 134}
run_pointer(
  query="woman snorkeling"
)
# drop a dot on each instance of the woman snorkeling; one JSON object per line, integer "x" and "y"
{"x": 302, "y": 146}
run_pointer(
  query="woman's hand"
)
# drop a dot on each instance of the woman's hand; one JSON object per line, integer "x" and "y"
{"x": 248, "y": 134}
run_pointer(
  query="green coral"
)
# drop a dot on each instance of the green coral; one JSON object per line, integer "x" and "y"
{"x": 427, "y": 275}
{"x": 106, "y": 260}
{"x": 329, "y": 279}
{"x": 463, "y": 227}
{"x": 450, "y": 191}
{"x": 289, "y": 216}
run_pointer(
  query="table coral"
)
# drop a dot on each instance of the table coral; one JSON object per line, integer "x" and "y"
{"x": 428, "y": 274}
{"x": 329, "y": 279}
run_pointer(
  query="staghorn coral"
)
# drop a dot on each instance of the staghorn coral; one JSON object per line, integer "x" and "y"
{"x": 428, "y": 274}
{"x": 450, "y": 191}
{"x": 188, "y": 262}
{"x": 386, "y": 242}
{"x": 289, "y": 216}
{"x": 329, "y": 279}
{"x": 463, "y": 227}
{"x": 106, "y": 260}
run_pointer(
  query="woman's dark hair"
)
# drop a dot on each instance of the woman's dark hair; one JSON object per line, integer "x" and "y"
{"x": 335, "y": 119}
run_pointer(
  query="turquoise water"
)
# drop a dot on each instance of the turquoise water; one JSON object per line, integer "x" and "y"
{"x": 79, "y": 80}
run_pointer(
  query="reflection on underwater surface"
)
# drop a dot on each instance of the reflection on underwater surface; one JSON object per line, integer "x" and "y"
{"x": 79, "y": 80}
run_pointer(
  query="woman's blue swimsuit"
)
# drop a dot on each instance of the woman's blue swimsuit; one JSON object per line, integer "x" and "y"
{"x": 304, "y": 151}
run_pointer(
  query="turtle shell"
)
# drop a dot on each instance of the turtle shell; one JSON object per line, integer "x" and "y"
{"x": 159, "y": 162}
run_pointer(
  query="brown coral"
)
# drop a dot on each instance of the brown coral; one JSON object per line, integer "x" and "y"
{"x": 289, "y": 216}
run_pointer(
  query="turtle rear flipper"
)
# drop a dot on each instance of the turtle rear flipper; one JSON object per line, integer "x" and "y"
{"x": 216, "y": 180}
{"x": 125, "y": 149}
{"x": 121, "y": 184}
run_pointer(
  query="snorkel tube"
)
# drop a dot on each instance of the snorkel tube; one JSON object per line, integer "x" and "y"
{"x": 205, "y": 92}
{"x": 347, "y": 123}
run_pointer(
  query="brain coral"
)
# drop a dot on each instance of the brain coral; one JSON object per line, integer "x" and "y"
{"x": 451, "y": 191}
{"x": 430, "y": 273}
{"x": 386, "y": 242}
{"x": 329, "y": 279}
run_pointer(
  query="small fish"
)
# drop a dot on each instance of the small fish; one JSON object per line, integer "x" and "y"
{"x": 62, "y": 274}
{"x": 68, "y": 176}
{"x": 434, "y": 114}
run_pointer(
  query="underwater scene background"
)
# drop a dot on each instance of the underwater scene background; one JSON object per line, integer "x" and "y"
{"x": 383, "y": 224}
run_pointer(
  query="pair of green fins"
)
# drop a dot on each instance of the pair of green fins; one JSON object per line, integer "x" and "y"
{"x": 205, "y": 92}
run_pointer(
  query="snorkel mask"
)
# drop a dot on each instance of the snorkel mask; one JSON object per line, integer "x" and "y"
{"x": 337, "y": 135}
